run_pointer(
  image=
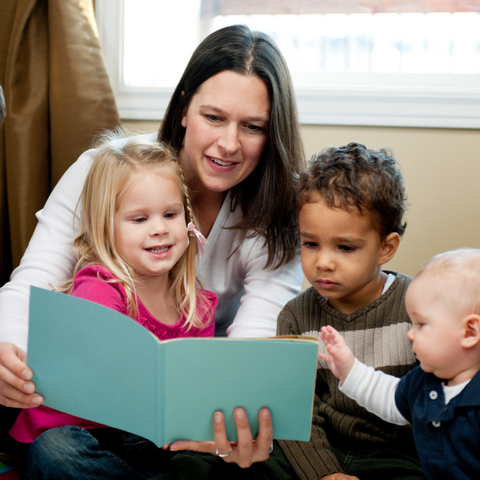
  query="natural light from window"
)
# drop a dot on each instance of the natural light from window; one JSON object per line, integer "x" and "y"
{"x": 313, "y": 44}
{"x": 364, "y": 62}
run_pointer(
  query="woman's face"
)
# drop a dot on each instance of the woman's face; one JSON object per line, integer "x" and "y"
{"x": 226, "y": 130}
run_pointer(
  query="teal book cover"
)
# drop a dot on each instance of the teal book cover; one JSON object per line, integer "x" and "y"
{"x": 95, "y": 363}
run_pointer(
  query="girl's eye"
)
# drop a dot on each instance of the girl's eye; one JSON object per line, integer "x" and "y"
{"x": 346, "y": 248}
{"x": 139, "y": 219}
{"x": 310, "y": 244}
{"x": 170, "y": 215}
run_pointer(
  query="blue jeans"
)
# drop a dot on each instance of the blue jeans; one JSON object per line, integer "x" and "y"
{"x": 378, "y": 464}
{"x": 75, "y": 453}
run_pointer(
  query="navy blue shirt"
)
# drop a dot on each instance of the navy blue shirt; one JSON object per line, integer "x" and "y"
{"x": 447, "y": 437}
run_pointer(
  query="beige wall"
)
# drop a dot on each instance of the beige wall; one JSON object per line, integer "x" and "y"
{"x": 442, "y": 177}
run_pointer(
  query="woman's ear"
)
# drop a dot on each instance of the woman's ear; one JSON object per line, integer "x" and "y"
{"x": 471, "y": 331}
{"x": 184, "y": 114}
{"x": 389, "y": 248}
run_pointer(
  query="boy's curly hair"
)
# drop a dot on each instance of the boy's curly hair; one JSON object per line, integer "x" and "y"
{"x": 356, "y": 177}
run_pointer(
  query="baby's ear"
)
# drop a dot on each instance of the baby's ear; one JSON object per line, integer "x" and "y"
{"x": 471, "y": 331}
{"x": 389, "y": 248}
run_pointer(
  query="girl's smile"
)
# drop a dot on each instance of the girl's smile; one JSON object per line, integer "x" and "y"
{"x": 160, "y": 252}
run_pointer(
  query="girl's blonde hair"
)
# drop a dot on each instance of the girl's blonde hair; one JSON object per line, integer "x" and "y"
{"x": 114, "y": 164}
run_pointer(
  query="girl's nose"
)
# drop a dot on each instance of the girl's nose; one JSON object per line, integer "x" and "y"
{"x": 158, "y": 227}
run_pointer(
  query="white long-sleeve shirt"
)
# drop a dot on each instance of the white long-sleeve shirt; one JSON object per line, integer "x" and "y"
{"x": 249, "y": 297}
{"x": 375, "y": 390}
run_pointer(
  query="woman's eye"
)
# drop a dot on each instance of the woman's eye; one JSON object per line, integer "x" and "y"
{"x": 254, "y": 128}
{"x": 212, "y": 118}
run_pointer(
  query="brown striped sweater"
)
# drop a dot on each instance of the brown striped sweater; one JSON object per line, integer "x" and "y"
{"x": 377, "y": 334}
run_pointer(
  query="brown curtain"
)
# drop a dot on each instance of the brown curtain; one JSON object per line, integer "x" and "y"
{"x": 57, "y": 96}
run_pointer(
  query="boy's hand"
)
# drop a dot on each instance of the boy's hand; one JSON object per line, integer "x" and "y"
{"x": 341, "y": 358}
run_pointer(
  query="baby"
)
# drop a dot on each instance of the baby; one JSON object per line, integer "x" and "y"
{"x": 441, "y": 397}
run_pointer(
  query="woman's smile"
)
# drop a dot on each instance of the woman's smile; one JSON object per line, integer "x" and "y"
{"x": 223, "y": 165}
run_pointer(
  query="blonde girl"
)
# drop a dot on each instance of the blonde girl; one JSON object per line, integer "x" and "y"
{"x": 118, "y": 169}
{"x": 134, "y": 256}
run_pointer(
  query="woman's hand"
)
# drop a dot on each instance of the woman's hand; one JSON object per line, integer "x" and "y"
{"x": 15, "y": 388}
{"x": 245, "y": 451}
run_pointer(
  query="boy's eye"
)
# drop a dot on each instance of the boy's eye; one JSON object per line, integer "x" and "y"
{"x": 346, "y": 248}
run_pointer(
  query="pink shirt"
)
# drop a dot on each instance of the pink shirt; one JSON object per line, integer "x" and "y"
{"x": 87, "y": 284}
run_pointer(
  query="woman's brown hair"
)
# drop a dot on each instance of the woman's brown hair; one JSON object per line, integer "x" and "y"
{"x": 267, "y": 195}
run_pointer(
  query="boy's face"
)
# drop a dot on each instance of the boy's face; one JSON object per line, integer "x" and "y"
{"x": 436, "y": 331}
{"x": 341, "y": 255}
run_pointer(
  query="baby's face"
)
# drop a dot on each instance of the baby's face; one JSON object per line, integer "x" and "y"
{"x": 341, "y": 254}
{"x": 436, "y": 331}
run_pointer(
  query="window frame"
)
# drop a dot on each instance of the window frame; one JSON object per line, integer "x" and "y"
{"x": 362, "y": 105}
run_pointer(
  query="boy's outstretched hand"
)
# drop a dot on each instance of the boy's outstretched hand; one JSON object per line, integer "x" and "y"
{"x": 340, "y": 358}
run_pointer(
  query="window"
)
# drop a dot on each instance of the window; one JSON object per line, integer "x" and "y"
{"x": 364, "y": 63}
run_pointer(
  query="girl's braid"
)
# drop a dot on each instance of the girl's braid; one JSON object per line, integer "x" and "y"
{"x": 186, "y": 196}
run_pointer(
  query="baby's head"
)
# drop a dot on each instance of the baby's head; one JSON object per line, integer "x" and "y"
{"x": 351, "y": 202}
{"x": 443, "y": 303}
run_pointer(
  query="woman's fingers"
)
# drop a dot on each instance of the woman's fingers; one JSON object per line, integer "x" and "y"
{"x": 15, "y": 388}
{"x": 222, "y": 445}
{"x": 264, "y": 440}
{"x": 206, "y": 447}
{"x": 245, "y": 451}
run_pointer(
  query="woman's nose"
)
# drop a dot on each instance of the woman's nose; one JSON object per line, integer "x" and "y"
{"x": 229, "y": 140}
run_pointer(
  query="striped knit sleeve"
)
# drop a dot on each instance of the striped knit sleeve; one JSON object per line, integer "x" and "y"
{"x": 314, "y": 459}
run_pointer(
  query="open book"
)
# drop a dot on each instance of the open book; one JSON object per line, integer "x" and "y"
{"x": 95, "y": 363}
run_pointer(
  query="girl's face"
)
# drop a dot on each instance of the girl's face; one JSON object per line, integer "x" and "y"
{"x": 150, "y": 229}
{"x": 226, "y": 130}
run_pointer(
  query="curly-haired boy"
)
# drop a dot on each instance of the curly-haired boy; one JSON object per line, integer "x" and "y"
{"x": 351, "y": 203}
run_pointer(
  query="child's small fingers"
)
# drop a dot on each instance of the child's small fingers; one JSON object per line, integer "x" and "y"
{"x": 332, "y": 349}
{"x": 324, "y": 357}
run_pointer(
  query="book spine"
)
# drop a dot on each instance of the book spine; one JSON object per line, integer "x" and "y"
{"x": 160, "y": 392}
